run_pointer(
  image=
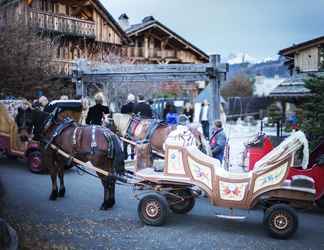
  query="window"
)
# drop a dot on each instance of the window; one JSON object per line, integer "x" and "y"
{"x": 321, "y": 57}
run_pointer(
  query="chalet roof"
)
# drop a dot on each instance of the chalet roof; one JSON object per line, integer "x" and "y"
{"x": 206, "y": 94}
{"x": 292, "y": 87}
{"x": 110, "y": 19}
{"x": 150, "y": 22}
{"x": 304, "y": 45}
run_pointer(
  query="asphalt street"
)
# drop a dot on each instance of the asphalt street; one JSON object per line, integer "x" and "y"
{"x": 75, "y": 222}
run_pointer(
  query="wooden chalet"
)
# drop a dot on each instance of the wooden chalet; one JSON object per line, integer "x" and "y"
{"x": 153, "y": 42}
{"x": 81, "y": 28}
{"x": 303, "y": 59}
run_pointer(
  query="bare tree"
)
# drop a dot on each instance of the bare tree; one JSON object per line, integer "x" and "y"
{"x": 241, "y": 86}
{"x": 25, "y": 59}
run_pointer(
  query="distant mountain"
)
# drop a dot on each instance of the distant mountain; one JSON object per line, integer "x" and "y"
{"x": 241, "y": 58}
{"x": 269, "y": 67}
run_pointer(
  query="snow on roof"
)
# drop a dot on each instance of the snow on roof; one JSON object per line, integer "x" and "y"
{"x": 263, "y": 85}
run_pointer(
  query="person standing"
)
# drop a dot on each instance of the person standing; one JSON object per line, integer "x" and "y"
{"x": 204, "y": 118}
{"x": 143, "y": 109}
{"x": 96, "y": 112}
{"x": 43, "y": 103}
{"x": 218, "y": 141}
{"x": 172, "y": 117}
{"x": 188, "y": 111}
{"x": 128, "y": 108}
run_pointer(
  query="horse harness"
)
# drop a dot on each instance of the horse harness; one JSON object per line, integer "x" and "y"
{"x": 135, "y": 122}
{"x": 67, "y": 123}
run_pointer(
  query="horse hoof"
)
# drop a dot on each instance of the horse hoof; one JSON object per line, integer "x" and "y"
{"x": 106, "y": 205}
{"x": 62, "y": 192}
{"x": 53, "y": 196}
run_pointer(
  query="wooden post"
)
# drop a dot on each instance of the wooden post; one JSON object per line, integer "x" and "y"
{"x": 215, "y": 87}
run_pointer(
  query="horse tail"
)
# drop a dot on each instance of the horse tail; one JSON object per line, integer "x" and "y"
{"x": 118, "y": 155}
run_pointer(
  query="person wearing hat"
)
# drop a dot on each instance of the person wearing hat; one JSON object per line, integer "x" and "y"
{"x": 204, "y": 118}
{"x": 143, "y": 109}
{"x": 95, "y": 113}
{"x": 128, "y": 108}
{"x": 218, "y": 141}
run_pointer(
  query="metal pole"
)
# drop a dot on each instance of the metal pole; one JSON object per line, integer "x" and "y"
{"x": 215, "y": 87}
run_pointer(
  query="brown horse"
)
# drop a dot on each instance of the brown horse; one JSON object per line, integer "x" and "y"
{"x": 86, "y": 143}
{"x": 122, "y": 123}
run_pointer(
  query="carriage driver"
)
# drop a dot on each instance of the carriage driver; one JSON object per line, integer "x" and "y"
{"x": 218, "y": 141}
{"x": 95, "y": 113}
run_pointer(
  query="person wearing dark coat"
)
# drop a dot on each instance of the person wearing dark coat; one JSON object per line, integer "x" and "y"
{"x": 128, "y": 108}
{"x": 143, "y": 109}
{"x": 189, "y": 112}
{"x": 95, "y": 113}
{"x": 218, "y": 141}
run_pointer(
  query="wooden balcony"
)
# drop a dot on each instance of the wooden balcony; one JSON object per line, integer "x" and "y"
{"x": 62, "y": 24}
{"x": 141, "y": 52}
{"x": 63, "y": 67}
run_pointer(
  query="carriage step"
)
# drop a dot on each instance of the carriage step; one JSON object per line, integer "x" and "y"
{"x": 230, "y": 217}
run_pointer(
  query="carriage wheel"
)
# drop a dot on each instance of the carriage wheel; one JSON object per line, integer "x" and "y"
{"x": 281, "y": 221}
{"x": 153, "y": 209}
{"x": 35, "y": 162}
{"x": 184, "y": 206}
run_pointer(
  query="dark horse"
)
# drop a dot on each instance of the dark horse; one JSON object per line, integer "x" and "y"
{"x": 86, "y": 143}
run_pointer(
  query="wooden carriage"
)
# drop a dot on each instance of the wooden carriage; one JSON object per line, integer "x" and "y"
{"x": 10, "y": 142}
{"x": 266, "y": 186}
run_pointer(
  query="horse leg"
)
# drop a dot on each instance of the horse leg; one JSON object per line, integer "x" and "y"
{"x": 61, "y": 176}
{"x": 109, "y": 193}
{"x": 53, "y": 173}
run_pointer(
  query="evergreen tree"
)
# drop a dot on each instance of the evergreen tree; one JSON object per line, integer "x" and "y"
{"x": 313, "y": 111}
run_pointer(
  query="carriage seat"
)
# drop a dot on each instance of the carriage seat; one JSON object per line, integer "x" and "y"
{"x": 194, "y": 153}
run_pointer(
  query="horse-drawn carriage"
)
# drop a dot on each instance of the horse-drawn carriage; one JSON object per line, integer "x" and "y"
{"x": 262, "y": 144}
{"x": 186, "y": 171}
{"x": 11, "y": 144}
{"x": 266, "y": 186}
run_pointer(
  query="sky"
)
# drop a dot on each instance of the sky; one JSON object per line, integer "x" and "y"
{"x": 257, "y": 27}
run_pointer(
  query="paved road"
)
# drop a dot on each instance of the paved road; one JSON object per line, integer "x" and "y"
{"x": 75, "y": 222}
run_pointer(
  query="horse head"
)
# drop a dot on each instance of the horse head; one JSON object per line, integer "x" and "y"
{"x": 32, "y": 122}
{"x": 24, "y": 123}
{"x": 121, "y": 122}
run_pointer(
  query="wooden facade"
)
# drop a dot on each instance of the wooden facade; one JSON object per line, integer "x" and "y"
{"x": 153, "y": 42}
{"x": 305, "y": 57}
{"x": 80, "y": 29}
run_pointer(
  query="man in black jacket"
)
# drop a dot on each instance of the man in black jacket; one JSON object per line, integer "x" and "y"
{"x": 128, "y": 108}
{"x": 95, "y": 113}
{"x": 143, "y": 109}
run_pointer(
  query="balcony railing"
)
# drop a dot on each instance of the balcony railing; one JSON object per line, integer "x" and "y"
{"x": 151, "y": 53}
{"x": 61, "y": 24}
{"x": 63, "y": 67}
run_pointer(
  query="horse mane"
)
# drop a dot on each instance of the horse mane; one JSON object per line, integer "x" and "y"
{"x": 38, "y": 119}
